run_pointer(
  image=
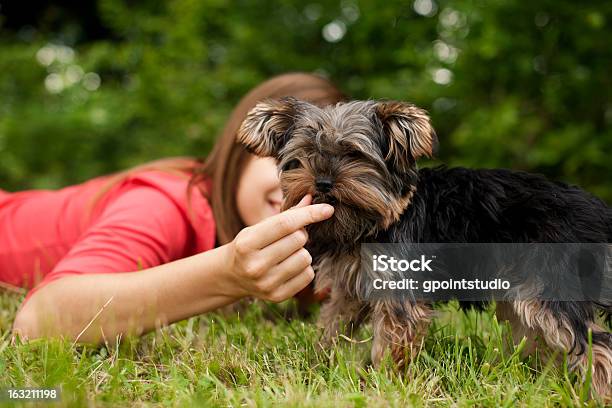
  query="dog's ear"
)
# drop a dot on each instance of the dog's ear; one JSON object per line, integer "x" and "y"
{"x": 408, "y": 132}
{"x": 268, "y": 126}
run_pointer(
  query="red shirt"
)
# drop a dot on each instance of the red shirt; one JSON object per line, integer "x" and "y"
{"x": 141, "y": 222}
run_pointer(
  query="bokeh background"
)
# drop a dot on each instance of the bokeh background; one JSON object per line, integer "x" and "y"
{"x": 89, "y": 87}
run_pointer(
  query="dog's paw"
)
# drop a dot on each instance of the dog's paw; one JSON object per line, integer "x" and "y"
{"x": 400, "y": 354}
{"x": 329, "y": 336}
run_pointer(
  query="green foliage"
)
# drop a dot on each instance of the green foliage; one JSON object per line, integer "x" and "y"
{"x": 512, "y": 84}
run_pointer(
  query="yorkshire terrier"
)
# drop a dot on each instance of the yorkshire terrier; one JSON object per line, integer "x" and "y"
{"x": 360, "y": 156}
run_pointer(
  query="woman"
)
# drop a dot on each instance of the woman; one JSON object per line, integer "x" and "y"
{"x": 161, "y": 242}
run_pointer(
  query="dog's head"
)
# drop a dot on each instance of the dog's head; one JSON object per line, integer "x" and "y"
{"x": 358, "y": 156}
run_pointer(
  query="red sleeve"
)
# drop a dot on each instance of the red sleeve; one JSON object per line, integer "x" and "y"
{"x": 142, "y": 228}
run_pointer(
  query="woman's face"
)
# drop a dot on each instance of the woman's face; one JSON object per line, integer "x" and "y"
{"x": 258, "y": 195}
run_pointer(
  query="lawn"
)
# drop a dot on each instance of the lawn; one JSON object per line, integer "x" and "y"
{"x": 260, "y": 357}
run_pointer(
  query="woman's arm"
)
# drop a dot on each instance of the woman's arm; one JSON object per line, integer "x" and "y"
{"x": 266, "y": 260}
{"x": 133, "y": 302}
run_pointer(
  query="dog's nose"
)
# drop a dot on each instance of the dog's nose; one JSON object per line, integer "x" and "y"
{"x": 324, "y": 184}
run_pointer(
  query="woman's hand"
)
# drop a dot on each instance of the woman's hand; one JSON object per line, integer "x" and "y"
{"x": 268, "y": 260}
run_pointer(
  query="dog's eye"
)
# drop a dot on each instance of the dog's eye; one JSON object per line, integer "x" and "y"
{"x": 291, "y": 164}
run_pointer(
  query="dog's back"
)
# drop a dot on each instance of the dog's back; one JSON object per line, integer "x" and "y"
{"x": 499, "y": 205}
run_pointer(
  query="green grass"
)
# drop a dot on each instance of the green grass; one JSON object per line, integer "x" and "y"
{"x": 259, "y": 358}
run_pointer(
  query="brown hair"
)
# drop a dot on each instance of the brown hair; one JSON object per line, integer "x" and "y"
{"x": 224, "y": 164}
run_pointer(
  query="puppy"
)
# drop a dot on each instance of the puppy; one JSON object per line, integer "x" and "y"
{"x": 361, "y": 157}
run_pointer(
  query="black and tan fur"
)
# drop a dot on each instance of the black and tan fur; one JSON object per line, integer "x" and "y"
{"x": 361, "y": 157}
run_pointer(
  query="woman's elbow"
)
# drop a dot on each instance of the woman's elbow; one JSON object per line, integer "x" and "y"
{"x": 44, "y": 315}
{"x": 26, "y": 325}
{"x": 38, "y": 318}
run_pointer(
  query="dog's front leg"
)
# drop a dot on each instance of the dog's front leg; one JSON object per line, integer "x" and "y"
{"x": 341, "y": 314}
{"x": 399, "y": 326}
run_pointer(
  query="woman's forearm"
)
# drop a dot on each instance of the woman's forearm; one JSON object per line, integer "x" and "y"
{"x": 267, "y": 261}
{"x": 94, "y": 306}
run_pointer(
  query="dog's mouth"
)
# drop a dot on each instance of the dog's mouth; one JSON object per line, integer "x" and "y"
{"x": 324, "y": 199}
{"x": 348, "y": 225}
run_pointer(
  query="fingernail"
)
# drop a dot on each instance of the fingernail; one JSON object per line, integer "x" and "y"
{"x": 326, "y": 210}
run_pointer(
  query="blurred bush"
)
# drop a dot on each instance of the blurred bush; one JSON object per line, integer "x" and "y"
{"x": 514, "y": 84}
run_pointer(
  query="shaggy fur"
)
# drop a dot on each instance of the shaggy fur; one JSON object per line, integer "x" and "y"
{"x": 361, "y": 157}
